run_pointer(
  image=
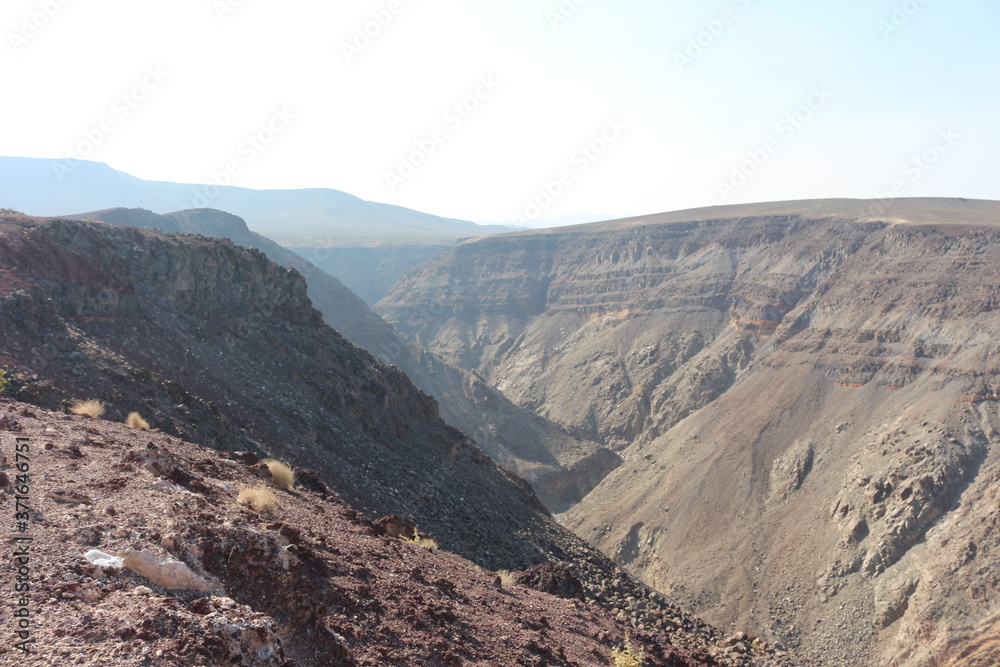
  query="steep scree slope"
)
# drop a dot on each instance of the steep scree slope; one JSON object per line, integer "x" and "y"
{"x": 806, "y": 401}
{"x": 309, "y": 583}
{"x": 561, "y": 468}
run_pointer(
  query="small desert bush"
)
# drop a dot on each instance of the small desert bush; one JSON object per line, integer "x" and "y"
{"x": 426, "y": 541}
{"x": 629, "y": 656}
{"x": 507, "y": 578}
{"x": 135, "y": 420}
{"x": 91, "y": 408}
{"x": 282, "y": 475}
{"x": 258, "y": 497}
{"x": 3, "y": 381}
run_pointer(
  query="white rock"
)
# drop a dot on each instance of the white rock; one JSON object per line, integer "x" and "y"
{"x": 223, "y": 603}
{"x": 167, "y": 572}
{"x": 102, "y": 559}
{"x": 142, "y": 590}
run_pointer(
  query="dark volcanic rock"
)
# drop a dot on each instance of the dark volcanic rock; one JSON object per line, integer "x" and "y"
{"x": 552, "y": 579}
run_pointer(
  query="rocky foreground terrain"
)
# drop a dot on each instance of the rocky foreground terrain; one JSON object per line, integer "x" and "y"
{"x": 209, "y": 581}
{"x": 806, "y": 396}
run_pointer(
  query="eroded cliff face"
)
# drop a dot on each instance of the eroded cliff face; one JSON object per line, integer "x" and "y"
{"x": 807, "y": 408}
{"x": 214, "y": 343}
{"x": 370, "y": 271}
{"x": 561, "y": 468}
{"x": 618, "y": 334}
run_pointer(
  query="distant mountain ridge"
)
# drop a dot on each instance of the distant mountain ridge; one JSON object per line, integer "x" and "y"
{"x": 315, "y": 217}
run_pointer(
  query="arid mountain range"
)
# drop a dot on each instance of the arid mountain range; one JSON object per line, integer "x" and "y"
{"x": 787, "y": 413}
{"x": 216, "y": 345}
{"x": 805, "y": 395}
{"x": 315, "y": 217}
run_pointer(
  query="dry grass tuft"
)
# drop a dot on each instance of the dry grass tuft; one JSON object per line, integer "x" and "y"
{"x": 506, "y": 578}
{"x": 135, "y": 420}
{"x": 259, "y": 497}
{"x": 426, "y": 541}
{"x": 282, "y": 475}
{"x": 91, "y": 408}
{"x": 629, "y": 656}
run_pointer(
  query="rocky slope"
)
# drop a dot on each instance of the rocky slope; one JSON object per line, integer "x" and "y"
{"x": 560, "y": 467}
{"x": 805, "y": 396}
{"x": 370, "y": 271}
{"x": 207, "y": 580}
{"x": 214, "y": 344}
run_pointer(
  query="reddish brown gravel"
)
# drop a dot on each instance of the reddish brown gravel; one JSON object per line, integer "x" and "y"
{"x": 312, "y": 583}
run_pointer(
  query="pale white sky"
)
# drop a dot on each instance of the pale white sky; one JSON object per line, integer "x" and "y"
{"x": 175, "y": 91}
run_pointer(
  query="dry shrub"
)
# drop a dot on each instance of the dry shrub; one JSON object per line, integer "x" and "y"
{"x": 259, "y": 497}
{"x": 426, "y": 542}
{"x": 507, "y": 578}
{"x": 629, "y": 656}
{"x": 91, "y": 408}
{"x": 282, "y": 475}
{"x": 135, "y": 420}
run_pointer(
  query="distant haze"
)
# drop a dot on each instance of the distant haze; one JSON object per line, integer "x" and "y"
{"x": 305, "y": 218}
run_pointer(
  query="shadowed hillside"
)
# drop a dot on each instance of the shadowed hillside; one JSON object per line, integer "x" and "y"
{"x": 561, "y": 468}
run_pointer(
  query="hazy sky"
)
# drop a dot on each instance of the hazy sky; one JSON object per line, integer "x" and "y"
{"x": 491, "y": 110}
